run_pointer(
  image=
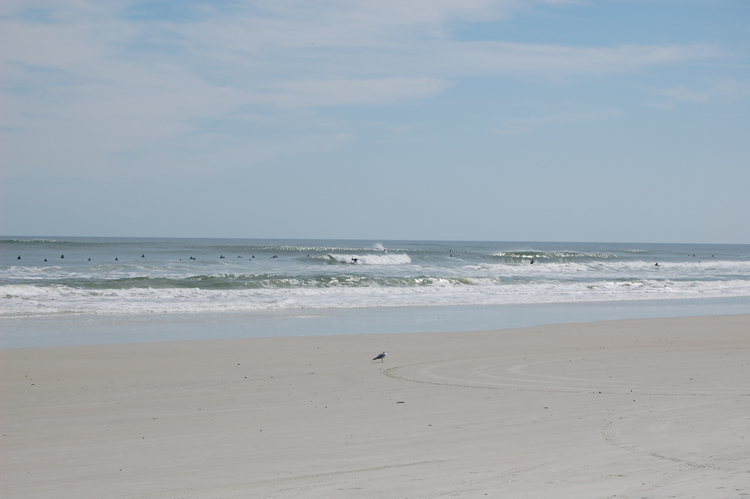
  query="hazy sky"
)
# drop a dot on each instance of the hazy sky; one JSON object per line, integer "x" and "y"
{"x": 591, "y": 120}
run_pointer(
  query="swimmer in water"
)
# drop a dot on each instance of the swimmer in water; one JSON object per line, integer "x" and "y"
{"x": 19, "y": 257}
{"x": 532, "y": 262}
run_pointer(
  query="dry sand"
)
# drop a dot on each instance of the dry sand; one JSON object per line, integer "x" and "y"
{"x": 637, "y": 408}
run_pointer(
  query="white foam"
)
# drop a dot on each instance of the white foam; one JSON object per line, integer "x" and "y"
{"x": 24, "y": 299}
{"x": 370, "y": 259}
{"x": 378, "y": 280}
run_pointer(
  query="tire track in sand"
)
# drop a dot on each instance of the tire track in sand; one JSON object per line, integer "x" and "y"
{"x": 394, "y": 373}
{"x": 286, "y": 483}
{"x": 682, "y": 467}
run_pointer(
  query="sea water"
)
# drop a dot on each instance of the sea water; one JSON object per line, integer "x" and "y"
{"x": 129, "y": 280}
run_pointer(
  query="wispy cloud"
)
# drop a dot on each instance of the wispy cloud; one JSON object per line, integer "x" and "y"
{"x": 320, "y": 93}
{"x": 718, "y": 91}
{"x": 518, "y": 126}
{"x": 108, "y": 77}
{"x": 684, "y": 94}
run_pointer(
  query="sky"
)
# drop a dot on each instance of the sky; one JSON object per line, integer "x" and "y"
{"x": 506, "y": 120}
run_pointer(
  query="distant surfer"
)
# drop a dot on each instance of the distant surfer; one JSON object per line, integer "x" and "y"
{"x": 62, "y": 256}
{"x": 89, "y": 259}
{"x": 275, "y": 256}
{"x": 143, "y": 255}
{"x": 222, "y": 256}
{"x": 19, "y": 257}
{"x": 532, "y": 262}
{"x": 116, "y": 259}
{"x": 656, "y": 265}
{"x": 354, "y": 260}
{"x": 45, "y": 259}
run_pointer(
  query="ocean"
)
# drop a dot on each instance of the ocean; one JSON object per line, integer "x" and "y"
{"x": 131, "y": 279}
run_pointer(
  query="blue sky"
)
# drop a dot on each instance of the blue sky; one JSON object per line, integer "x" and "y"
{"x": 473, "y": 120}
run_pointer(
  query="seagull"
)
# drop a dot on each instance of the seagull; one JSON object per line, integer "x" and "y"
{"x": 381, "y": 357}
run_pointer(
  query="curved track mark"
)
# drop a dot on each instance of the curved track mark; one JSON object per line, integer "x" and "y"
{"x": 393, "y": 372}
{"x": 242, "y": 487}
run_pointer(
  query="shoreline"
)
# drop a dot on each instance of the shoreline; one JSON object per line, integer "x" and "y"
{"x": 22, "y": 332}
{"x": 628, "y": 408}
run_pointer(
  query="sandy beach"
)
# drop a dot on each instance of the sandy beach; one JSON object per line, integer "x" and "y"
{"x": 634, "y": 408}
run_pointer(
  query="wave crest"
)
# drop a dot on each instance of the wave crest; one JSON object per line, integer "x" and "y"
{"x": 34, "y": 241}
{"x": 366, "y": 259}
{"x": 519, "y": 255}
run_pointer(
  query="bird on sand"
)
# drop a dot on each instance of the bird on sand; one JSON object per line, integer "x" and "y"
{"x": 381, "y": 357}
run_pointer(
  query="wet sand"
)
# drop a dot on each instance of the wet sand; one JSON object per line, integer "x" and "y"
{"x": 635, "y": 408}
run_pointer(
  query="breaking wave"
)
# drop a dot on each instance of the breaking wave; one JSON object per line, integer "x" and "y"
{"x": 370, "y": 259}
{"x": 214, "y": 275}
